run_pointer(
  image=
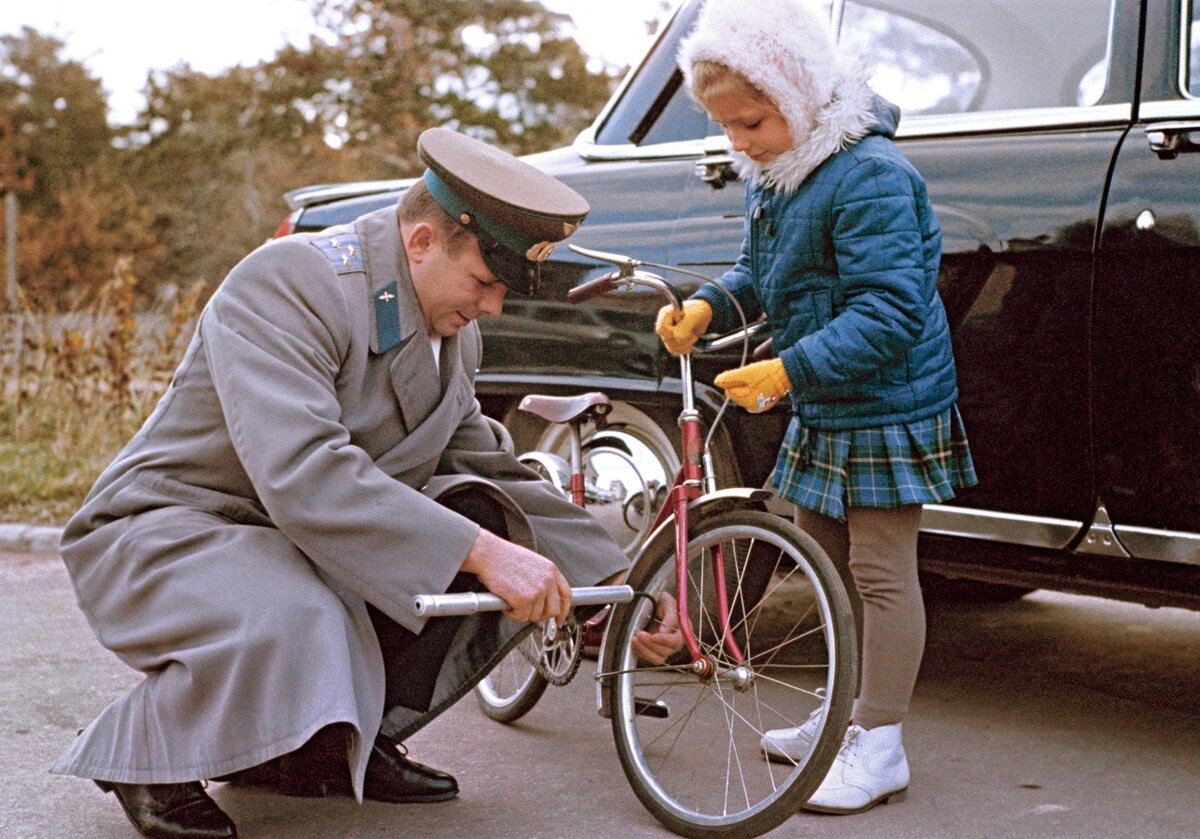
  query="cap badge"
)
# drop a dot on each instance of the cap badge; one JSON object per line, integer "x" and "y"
{"x": 539, "y": 252}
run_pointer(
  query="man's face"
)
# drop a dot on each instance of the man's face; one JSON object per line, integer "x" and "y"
{"x": 453, "y": 290}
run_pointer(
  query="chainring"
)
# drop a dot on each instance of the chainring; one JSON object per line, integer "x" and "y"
{"x": 561, "y": 651}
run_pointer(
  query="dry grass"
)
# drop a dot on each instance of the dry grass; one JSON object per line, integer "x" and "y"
{"x": 76, "y": 388}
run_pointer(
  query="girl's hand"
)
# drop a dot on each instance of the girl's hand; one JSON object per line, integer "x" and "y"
{"x": 679, "y": 330}
{"x": 756, "y": 387}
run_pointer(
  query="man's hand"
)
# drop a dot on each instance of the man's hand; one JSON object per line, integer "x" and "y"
{"x": 664, "y": 639}
{"x": 756, "y": 387}
{"x": 679, "y": 330}
{"x": 530, "y": 584}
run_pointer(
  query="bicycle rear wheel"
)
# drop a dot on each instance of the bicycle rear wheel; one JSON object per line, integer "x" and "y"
{"x": 511, "y": 689}
{"x": 691, "y": 745}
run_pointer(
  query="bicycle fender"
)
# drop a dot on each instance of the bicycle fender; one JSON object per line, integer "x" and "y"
{"x": 699, "y": 511}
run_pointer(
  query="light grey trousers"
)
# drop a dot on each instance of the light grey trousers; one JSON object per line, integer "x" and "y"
{"x": 875, "y": 552}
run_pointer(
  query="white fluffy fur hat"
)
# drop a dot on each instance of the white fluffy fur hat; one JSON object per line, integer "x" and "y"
{"x": 785, "y": 49}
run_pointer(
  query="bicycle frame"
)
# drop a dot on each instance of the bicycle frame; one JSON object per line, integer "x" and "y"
{"x": 778, "y": 679}
{"x": 696, "y": 474}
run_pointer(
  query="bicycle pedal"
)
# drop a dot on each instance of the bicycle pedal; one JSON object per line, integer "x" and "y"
{"x": 655, "y": 708}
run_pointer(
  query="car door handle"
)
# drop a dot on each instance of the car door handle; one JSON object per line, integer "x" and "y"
{"x": 716, "y": 170}
{"x": 1169, "y": 139}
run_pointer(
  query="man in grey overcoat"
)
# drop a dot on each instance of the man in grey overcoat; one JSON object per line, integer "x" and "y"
{"x": 319, "y": 459}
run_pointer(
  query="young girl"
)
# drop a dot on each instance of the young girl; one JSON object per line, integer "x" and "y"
{"x": 841, "y": 253}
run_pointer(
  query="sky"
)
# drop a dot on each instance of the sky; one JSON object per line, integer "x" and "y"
{"x": 120, "y": 41}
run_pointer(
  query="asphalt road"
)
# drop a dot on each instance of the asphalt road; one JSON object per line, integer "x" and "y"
{"x": 1055, "y": 716}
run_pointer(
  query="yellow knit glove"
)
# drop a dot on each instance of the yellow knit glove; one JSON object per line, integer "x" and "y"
{"x": 756, "y": 387}
{"x": 679, "y": 330}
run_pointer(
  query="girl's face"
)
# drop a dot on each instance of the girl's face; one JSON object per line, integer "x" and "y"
{"x": 752, "y": 127}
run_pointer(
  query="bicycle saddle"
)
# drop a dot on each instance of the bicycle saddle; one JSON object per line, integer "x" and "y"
{"x": 585, "y": 406}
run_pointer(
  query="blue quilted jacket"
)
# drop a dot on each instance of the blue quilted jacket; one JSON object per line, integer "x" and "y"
{"x": 845, "y": 268}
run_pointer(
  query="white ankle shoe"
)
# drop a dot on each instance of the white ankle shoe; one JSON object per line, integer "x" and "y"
{"x": 870, "y": 769}
{"x": 791, "y": 745}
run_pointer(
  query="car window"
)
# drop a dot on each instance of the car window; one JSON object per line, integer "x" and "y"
{"x": 929, "y": 57}
{"x": 681, "y": 119}
{"x": 1192, "y": 83}
{"x": 932, "y": 57}
{"x": 912, "y": 62}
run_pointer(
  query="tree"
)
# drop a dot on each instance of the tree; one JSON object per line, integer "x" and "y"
{"x": 211, "y": 158}
{"x": 57, "y": 112}
{"x": 77, "y": 216}
{"x": 502, "y": 70}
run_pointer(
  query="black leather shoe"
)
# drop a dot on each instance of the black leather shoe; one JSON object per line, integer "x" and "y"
{"x": 172, "y": 811}
{"x": 319, "y": 770}
{"x": 393, "y": 778}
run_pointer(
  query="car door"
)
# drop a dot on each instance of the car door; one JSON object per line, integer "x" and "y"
{"x": 1012, "y": 111}
{"x": 1147, "y": 338}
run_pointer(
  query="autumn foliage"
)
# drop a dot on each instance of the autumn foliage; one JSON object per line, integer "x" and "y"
{"x": 123, "y": 231}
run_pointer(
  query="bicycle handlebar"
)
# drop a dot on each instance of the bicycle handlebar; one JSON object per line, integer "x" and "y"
{"x": 468, "y": 603}
{"x": 626, "y": 264}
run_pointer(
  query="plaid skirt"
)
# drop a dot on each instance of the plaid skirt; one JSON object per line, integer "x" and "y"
{"x": 921, "y": 462}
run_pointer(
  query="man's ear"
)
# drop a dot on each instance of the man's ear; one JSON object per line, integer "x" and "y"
{"x": 419, "y": 240}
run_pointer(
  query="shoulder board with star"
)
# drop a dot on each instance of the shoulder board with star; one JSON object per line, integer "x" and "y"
{"x": 343, "y": 252}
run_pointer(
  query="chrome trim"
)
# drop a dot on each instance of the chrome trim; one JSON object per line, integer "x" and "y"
{"x": 939, "y": 125}
{"x": 1100, "y": 539}
{"x": 1161, "y": 545}
{"x": 1185, "y": 49}
{"x": 627, "y": 151}
{"x": 987, "y": 122}
{"x": 1128, "y": 542}
{"x": 1032, "y": 531}
{"x": 1177, "y": 109}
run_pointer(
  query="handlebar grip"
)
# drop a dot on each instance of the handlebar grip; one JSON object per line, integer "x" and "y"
{"x": 763, "y": 351}
{"x": 592, "y": 288}
{"x": 468, "y": 603}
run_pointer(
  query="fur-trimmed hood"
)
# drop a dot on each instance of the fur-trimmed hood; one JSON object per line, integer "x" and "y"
{"x": 786, "y": 50}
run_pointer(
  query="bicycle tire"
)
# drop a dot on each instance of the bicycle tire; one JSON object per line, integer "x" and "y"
{"x": 690, "y": 747}
{"x": 511, "y": 688}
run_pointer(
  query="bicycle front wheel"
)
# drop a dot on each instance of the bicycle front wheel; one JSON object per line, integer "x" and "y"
{"x": 511, "y": 689}
{"x": 690, "y": 744}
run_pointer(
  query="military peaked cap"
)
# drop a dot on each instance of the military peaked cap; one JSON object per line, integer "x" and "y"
{"x": 516, "y": 212}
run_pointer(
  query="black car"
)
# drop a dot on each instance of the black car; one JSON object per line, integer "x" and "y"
{"x": 1060, "y": 140}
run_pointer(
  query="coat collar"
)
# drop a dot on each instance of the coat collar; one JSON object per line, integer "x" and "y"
{"x": 420, "y": 390}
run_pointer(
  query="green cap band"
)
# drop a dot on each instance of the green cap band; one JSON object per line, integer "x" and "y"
{"x": 455, "y": 206}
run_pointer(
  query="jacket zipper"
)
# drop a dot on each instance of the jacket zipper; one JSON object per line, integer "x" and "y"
{"x": 755, "y": 219}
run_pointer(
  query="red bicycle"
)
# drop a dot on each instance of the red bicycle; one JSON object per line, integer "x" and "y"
{"x": 768, "y": 636}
